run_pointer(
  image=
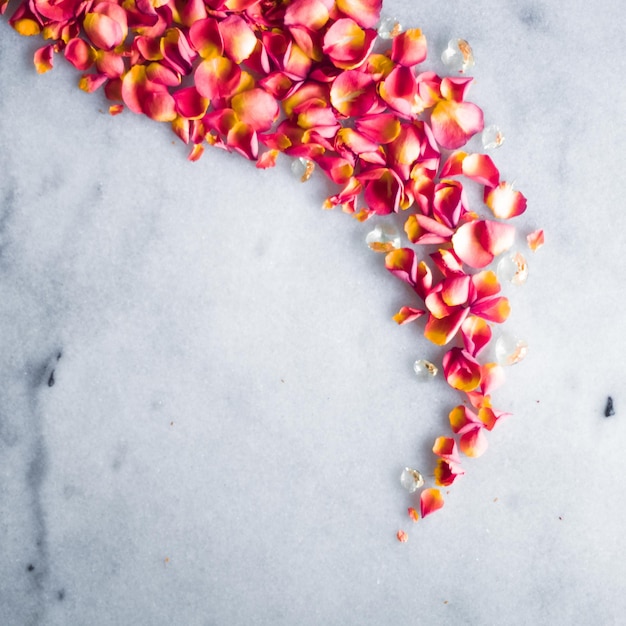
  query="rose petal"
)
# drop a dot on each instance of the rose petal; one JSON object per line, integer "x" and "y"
{"x": 407, "y": 314}
{"x": 504, "y": 201}
{"x": 431, "y": 500}
{"x": 454, "y": 123}
{"x": 535, "y": 240}
{"x": 409, "y": 48}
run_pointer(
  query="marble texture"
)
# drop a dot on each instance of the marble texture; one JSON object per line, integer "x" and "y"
{"x": 205, "y": 407}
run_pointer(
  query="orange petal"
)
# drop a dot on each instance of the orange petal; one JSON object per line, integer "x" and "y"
{"x": 431, "y": 500}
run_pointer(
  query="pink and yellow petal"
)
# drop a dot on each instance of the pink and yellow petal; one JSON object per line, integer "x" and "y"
{"x": 504, "y": 201}
{"x": 44, "y": 59}
{"x": 407, "y": 314}
{"x": 409, "y": 48}
{"x": 446, "y": 473}
{"x": 366, "y": 13}
{"x": 431, "y": 500}
{"x": 239, "y": 39}
{"x": 454, "y": 123}
{"x": 353, "y": 93}
{"x": 476, "y": 334}
{"x": 347, "y": 45}
{"x": 461, "y": 370}
{"x": 442, "y": 331}
{"x": 535, "y": 240}
{"x": 481, "y": 168}
{"x": 473, "y": 443}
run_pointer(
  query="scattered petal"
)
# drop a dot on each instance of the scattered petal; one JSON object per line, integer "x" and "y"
{"x": 535, "y": 240}
{"x": 402, "y": 536}
{"x": 504, "y": 201}
{"x": 431, "y": 500}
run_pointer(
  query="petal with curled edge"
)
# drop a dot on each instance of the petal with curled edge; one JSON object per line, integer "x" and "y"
{"x": 456, "y": 290}
{"x": 402, "y": 263}
{"x": 365, "y": 13}
{"x": 382, "y": 190}
{"x": 347, "y": 45}
{"x": 446, "y": 472}
{"x": 103, "y": 31}
{"x": 473, "y": 443}
{"x": 445, "y": 447}
{"x": 504, "y": 201}
{"x": 407, "y": 314}
{"x": 454, "y": 164}
{"x": 267, "y": 159}
{"x": 449, "y": 202}
{"x": 353, "y": 93}
{"x": 461, "y": 370}
{"x": 454, "y": 123}
{"x": 431, "y": 500}
{"x": 44, "y": 59}
{"x": 447, "y": 262}
{"x": 463, "y": 419}
{"x": 436, "y": 305}
{"x": 455, "y": 88}
{"x": 256, "y": 107}
{"x": 243, "y": 139}
{"x": 492, "y": 309}
{"x": 409, "y": 47}
{"x": 442, "y": 331}
{"x": 485, "y": 284}
{"x": 426, "y": 230}
{"x": 476, "y": 334}
{"x": 239, "y": 39}
{"x": 79, "y": 53}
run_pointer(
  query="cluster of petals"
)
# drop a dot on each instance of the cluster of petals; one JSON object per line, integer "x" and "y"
{"x": 307, "y": 78}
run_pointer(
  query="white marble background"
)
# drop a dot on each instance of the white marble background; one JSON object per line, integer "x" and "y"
{"x": 233, "y": 405}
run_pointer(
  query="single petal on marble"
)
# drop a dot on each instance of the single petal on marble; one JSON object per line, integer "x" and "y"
{"x": 409, "y": 48}
{"x": 454, "y": 123}
{"x": 504, "y": 201}
{"x": 413, "y": 514}
{"x": 196, "y": 152}
{"x": 44, "y": 59}
{"x": 431, "y": 500}
{"x": 461, "y": 370}
{"x": 267, "y": 159}
{"x": 535, "y": 240}
{"x": 365, "y": 13}
{"x": 402, "y": 536}
{"x": 407, "y": 314}
{"x": 456, "y": 290}
{"x": 402, "y": 263}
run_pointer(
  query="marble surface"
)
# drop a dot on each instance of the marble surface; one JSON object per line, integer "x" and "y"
{"x": 205, "y": 406}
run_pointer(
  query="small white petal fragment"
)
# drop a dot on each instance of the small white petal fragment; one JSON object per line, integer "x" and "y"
{"x": 411, "y": 479}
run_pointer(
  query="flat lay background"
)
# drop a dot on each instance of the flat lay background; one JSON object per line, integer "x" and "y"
{"x": 232, "y": 404}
